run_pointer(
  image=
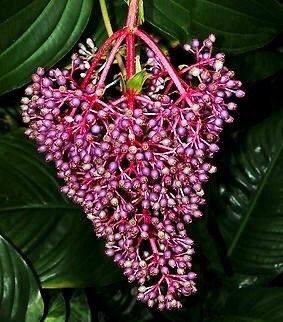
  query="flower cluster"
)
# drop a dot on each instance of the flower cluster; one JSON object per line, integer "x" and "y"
{"x": 136, "y": 159}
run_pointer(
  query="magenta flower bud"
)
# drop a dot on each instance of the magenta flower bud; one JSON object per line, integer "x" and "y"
{"x": 195, "y": 43}
{"x": 213, "y": 148}
{"x": 75, "y": 102}
{"x": 240, "y": 93}
{"x": 95, "y": 129}
{"x": 61, "y": 80}
{"x": 145, "y": 204}
{"x": 113, "y": 166}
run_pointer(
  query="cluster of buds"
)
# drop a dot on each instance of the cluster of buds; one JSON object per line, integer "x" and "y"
{"x": 135, "y": 151}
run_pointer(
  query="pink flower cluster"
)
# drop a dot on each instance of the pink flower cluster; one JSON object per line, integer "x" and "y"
{"x": 136, "y": 159}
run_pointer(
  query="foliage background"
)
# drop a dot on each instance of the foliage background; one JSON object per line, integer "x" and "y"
{"x": 52, "y": 268}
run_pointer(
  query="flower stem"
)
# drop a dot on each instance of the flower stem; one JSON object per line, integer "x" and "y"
{"x": 164, "y": 61}
{"x": 109, "y": 30}
{"x": 132, "y": 22}
{"x": 110, "y": 59}
{"x": 132, "y": 19}
{"x": 99, "y": 54}
{"x": 106, "y": 18}
{"x": 153, "y": 246}
{"x": 131, "y": 66}
{"x": 166, "y": 64}
{"x": 131, "y": 57}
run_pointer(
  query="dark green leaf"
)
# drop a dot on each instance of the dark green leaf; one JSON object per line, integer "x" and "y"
{"x": 20, "y": 298}
{"x": 117, "y": 11}
{"x": 79, "y": 309}
{"x": 239, "y": 26}
{"x": 57, "y": 238}
{"x": 37, "y": 33}
{"x": 171, "y": 18}
{"x": 8, "y": 119}
{"x": 56, "y": 309}
{"x": 256, "y": 65}
{"x": 121, "y": 304}
{"x": 191, "y": 312}
{"x": 254, "y": 305}
{"x": 250, "y": 201}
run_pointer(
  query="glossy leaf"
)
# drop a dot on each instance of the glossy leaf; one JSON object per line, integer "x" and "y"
{"x": 37, "y": 33}
{"x": 57, "y": 238}
{"x": 170, "y": 18}
{"x": 56, "y": 309}
{"x": 117, "y": 11}
{"x": 250, "y": 201}
{"x": 256, "y": 65}
{"x": 121, "y": 304}
{"x": 20, "y": 298}
{"x": 191, "y": 311}
{"x": 79, "y": 309}
{"x": 239, "y": 26}
{"x": 253, "y": 305}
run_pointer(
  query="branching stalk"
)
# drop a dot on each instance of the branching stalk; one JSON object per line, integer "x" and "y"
{"x": 109, "y": 30}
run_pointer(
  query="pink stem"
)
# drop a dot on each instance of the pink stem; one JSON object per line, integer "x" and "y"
{"x": 130, "y": 55}
{"x": 99, "y": 55}
{"x": 164, "y": 61}
{"x": 133, "y": 14}
{"x": 110, "y": 60}
{"x": 184, "y": 70}
{"x": 131, "y": 68}
{"x": 153, "y": 245}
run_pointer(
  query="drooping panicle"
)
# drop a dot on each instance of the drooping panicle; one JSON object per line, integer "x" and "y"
{"x": 136, "y": 159}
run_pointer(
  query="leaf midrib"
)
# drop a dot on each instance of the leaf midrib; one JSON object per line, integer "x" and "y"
{"x": 251, "y": 207}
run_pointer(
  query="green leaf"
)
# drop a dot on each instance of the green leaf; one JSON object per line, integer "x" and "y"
{"x": 20, "y": 298}
{"x": 56, "y": 309}
{"x": 253, "y": 305}
{"x": 136, "y": 82}
{"x": 256, "y": 65}
{"x": 172, "y": 18}
{"x": 8, "y": 119}
{"x": 239, "y": 26}
{"x": 192, "y": 308}
{"x": 79, "y": 309}
{"x": 122, "y": 305}
{"x": 37, "y": 33}
{"x": 141, "y": 12}
{"x": 118, "y": 12}
{"x": 57, "y": 238}
{"x": 250, "y": 201}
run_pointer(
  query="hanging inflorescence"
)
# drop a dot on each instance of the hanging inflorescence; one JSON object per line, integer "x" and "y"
{"x": 135, "y": 153}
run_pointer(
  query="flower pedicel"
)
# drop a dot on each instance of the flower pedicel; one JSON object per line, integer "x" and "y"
{"x": 135, "y": 154}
